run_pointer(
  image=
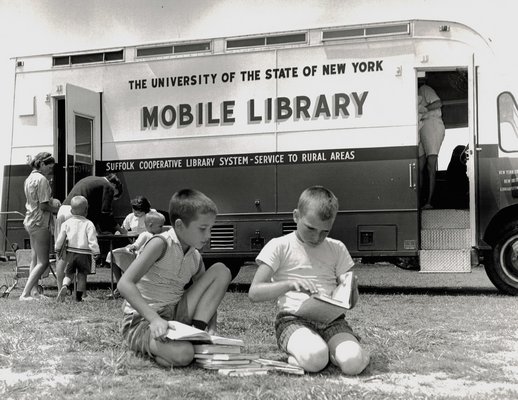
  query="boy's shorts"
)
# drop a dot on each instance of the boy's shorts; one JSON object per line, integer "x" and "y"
{"x": 135, "y": 328}
{"x": 286, "y": 324}
{"x": 79, "y": 262}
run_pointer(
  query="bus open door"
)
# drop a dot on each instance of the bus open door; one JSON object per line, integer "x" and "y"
{"x": 78, "y": 133}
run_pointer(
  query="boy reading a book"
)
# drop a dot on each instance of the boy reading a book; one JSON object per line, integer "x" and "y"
{"x": 154, "y": 284}
{"x": 305, "y": 262}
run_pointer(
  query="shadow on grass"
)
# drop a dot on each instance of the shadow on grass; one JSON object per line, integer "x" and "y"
{"x": 438, "y": 291}
{"x": 368, "y": 289}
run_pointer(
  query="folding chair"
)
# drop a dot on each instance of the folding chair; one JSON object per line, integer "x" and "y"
{"x": 22, "y": 270}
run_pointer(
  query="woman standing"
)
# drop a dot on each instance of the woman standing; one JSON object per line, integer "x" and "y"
{"x": 40, "y": 206}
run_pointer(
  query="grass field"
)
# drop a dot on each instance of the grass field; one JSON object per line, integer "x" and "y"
{"x": 430, "y": 336}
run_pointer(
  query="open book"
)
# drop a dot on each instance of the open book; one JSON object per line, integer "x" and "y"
{"x": 179, "y": 331}
{"x": 323, "y": 308}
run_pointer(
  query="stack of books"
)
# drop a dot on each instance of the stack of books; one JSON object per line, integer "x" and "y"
{"x": 224, "y": 354}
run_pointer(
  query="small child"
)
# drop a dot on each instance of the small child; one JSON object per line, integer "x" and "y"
{"x": 154, "y": 284}
{"x": 154, "y": 222}
{"x": 134, "y": 222}
{"x": 78, "y": 237}
{"x": 296, "y": 265}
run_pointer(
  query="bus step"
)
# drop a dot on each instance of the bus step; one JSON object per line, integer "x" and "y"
{"x": 444, "y": 219}
{"x": 445, "y": 239}
{"x": 458, "y": 260}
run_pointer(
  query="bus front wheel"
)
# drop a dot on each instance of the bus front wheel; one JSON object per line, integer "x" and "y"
{"x": 502, "y": 266}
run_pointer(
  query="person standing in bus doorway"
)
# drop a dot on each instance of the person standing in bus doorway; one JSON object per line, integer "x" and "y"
{"x": 38, "y": 218}
{"x": 100, "y": 192}
{"x": 431, "y": 135}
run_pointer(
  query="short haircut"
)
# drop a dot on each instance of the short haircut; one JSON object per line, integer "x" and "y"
{"x": 42, "y": 158}
{"x": 324, "y": 201}
{"x": 78, "y": 205}
{"x": 140, "y": 203}
{"x": 114, "y": 180}
{"x": 186, "y": 204}
{"x": 154, "y": 217}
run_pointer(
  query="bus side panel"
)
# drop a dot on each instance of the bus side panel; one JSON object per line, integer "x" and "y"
{"x": 234, "y": 189}
{"x": 359, "y": 186}
{"x": 378, "y": 234}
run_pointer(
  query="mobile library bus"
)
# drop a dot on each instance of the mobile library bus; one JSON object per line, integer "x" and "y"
{"x": 253, "y": 120}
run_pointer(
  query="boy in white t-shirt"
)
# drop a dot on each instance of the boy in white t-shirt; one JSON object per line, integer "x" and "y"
{"x": 78, "y": 237}
{"x": 294, "y": 266}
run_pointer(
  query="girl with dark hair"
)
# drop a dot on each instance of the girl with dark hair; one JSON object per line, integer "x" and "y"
{"x": 40, "y": 206}
{"x": 135, "y": 221}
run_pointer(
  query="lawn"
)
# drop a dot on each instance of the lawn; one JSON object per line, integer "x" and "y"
{"x": 430, "y": 336}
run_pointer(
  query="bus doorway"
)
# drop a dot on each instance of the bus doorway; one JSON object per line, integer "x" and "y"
{"x": 446, "y": 230}
{"x": 452, "y": 183}
{"x": 78, "y": 134}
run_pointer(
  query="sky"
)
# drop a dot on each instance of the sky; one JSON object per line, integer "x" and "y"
{"x": 52, "y": 26}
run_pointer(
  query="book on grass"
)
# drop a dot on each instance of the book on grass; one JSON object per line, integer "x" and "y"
{"x": 180, "y": 331}
{"x": 324, "y": 308}
{"x": 250, "y": 364}
{"x": 216, "y": 349}
{"x": 222, "y": 363}
{"x": 237, "y": 356}
{"x": 243, "y": 371}
{"x": 280, "y": 366}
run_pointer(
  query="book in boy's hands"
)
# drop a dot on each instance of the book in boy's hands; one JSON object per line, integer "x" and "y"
{"x": 343, "y": 294}
{"x": 180, "y": 331}
{"x": 323, "y": 308}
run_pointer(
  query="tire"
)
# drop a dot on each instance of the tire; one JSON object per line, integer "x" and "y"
{"x": 502, "y": 266}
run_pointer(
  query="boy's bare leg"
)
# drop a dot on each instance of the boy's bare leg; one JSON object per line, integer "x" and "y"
{"x": 60, "y": 271}
{"x": 347, "y": 354}
{"x": 81, "y": 282}
{"x": 308, "y": 349}
{"x": 205, "y": 295}
{"x": 172, "y": 353}
{"x": 81, "y": 285}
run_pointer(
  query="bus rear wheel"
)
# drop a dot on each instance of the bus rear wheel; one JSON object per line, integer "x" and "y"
{"x": 502, "y": 266}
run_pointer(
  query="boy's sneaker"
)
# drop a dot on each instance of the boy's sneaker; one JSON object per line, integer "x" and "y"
{"x": 62, "y": 294}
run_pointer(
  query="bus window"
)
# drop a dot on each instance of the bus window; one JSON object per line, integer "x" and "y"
{"x": 507, "y": 122}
